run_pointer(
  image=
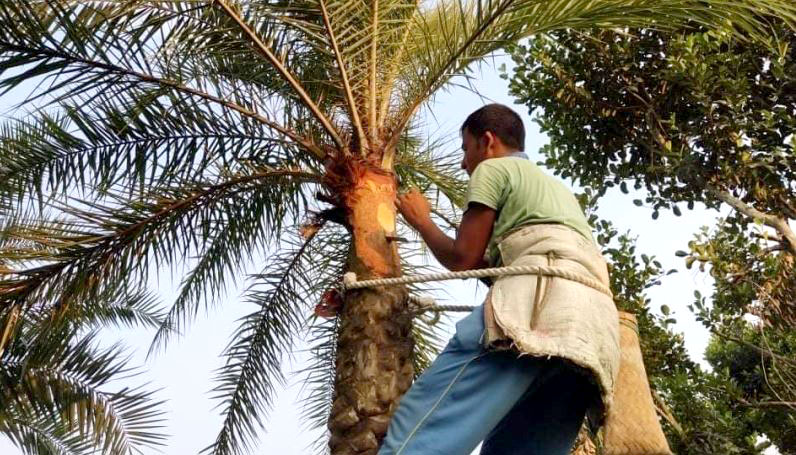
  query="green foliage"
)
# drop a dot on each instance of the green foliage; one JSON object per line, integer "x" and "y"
{"x": 761, "y": 381}
{"x": 162, "y": 131}
{"x": 254, "y": 357}
{"x": 685, "y": 118}
{"x": 697, "y": 414}
{"x": 53, "y": 402}
{"x": 669, "y": 115}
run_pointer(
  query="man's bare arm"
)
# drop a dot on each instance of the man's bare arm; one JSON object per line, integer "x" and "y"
{"x": 466, "y": 251}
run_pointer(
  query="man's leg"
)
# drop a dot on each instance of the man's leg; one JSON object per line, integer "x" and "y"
{"x": 546, "y": 420}
{"x": 454, "y": 404}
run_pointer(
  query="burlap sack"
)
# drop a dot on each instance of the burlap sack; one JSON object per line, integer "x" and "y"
{"x": 632, "y": 426}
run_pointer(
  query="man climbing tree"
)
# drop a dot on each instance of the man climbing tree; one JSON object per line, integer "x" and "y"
{"x": 480, "y": 387}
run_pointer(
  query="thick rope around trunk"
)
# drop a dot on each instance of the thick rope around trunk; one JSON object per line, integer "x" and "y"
{"x": 427, "y": 304}
{"x": 350, "y": 278}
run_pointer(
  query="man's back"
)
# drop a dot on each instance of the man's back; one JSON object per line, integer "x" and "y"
{"x": 523, "y": 194}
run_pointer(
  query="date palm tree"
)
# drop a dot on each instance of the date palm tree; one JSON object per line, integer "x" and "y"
{"x": 161, "y": 130}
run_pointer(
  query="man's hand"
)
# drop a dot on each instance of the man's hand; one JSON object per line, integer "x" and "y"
{"x": 415, "y": 208}
{"x": 466, "y": 251}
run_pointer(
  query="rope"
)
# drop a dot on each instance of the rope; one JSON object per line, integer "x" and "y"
{"x": 350, "y": 278}
{"x": 422, "y": 304}
{"x": 452, "y": 308}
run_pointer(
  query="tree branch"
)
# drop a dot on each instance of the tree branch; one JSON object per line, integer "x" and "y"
{"x": 665, "y": 412}
{"x": 758, "y": 349}
{"x": 768, "y": 404}
{"x": 779, "y": 224}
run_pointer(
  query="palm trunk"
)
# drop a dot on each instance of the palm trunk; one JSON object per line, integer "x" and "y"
{"x": 374, "y": 352}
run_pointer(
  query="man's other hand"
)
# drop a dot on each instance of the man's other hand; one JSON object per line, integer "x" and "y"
{"x": 415, "y": 208}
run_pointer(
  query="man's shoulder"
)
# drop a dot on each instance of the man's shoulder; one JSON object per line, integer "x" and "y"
{"x": 512, "y": 169}
{"x": 508, "y": 163}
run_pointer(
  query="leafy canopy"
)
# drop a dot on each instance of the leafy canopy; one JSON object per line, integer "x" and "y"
{"x": 693, "y": 117}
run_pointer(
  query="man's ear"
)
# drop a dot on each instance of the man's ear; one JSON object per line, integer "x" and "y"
{"x": 490, "y": 141}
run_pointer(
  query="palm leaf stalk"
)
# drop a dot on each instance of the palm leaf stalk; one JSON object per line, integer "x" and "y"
{"x": 184, "y": 124}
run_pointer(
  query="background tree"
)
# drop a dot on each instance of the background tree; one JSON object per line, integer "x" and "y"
{"x": 166, "y": 130}
{"x": 695, "y": 410}
{"x": 693, "y": 117}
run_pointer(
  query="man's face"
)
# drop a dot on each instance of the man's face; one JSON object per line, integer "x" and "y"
{"x": 474, "y": 151}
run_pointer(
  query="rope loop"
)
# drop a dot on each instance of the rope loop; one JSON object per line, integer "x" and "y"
{"x": 350, "y": 278}
{"x": 423, "y": 304}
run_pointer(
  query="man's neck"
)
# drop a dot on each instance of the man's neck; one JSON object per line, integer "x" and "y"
{"x": 512, "y": 153}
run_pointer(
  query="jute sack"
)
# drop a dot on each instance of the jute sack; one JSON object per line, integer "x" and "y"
{"x": 631, "y": 426}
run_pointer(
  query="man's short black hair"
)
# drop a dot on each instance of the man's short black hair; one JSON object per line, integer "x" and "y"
{"x": 501, "y": 120}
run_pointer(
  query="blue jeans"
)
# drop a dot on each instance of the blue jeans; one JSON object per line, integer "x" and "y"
{"x": 516, "y": 405}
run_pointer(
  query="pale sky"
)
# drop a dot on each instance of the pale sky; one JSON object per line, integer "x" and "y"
{"x": 185, "y": 371}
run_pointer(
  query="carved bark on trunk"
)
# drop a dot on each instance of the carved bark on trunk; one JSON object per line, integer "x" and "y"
{"x": 374, "y": 351}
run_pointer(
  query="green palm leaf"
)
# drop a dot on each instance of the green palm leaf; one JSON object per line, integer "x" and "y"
{"x": 282, "y": 293}
{"x": 132, "y": 142}
{"x": 52, "y": 399}
{"x": 318, "y": 380}
{"x": 116, "y": 244}
{"x": 317, "y": 376}
{"x": 246, "y": 226}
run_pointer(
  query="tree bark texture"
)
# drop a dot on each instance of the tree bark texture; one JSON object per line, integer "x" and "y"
{"x": 374, "y": 351}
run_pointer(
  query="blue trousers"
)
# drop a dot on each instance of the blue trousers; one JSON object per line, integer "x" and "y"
{"x": 515, "y": 405}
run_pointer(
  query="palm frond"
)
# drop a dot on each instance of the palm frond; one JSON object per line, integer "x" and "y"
{"x": 41, "y": 436}
{"x": 318, "y": 381}
{"x": 98, "y": 49}
{"x": 361, "y": 33}
{"x": 120, "y": 307}
{"x": 283, "y": 294}
{"x": 104, "y": 247}
{"x": 318, "y": 376}
{"x": 356, "y": 35}
{"x": 353, "y": 106}
{"x": 246, "y": 226}
{"x": 279, "y": 64}
{"x": 128, "y": 308}
{"x": 52, "y": 398}
{"x": 129, "y": 144}
{"x": 447, "y": 38}
{"x": 428, "y": 167}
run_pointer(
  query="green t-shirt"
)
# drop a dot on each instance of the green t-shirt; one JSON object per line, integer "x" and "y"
{"x": 522, "y": 194}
